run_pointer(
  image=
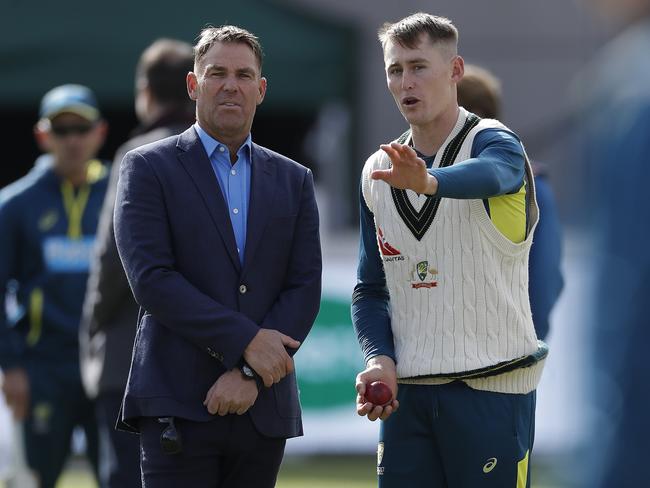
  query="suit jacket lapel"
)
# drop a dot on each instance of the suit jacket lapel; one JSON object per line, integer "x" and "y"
{"x": 197, "y": 164}
{"x": 261, "y": 200}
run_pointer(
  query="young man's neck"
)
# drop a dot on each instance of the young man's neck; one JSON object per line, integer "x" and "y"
{"x": 76, "y": 177}
{"x": 427, "y": 139}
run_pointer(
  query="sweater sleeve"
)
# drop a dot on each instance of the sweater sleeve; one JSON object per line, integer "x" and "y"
{"x": 497, "y": 167}
{"x": 370, "y": 300}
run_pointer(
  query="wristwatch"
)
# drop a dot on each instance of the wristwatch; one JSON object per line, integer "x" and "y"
{"x": 250, "y": 374}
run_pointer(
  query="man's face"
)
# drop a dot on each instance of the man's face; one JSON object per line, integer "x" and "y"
{"x": 227, "y": 87}
{"x": 72, "y": 140}
{"x": 422, "y": 80}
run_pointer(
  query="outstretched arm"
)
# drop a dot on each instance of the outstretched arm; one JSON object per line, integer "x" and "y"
{"x": 496, "y": 168}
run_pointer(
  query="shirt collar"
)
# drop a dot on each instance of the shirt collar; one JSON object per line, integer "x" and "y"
{"x": 211, "y": 144}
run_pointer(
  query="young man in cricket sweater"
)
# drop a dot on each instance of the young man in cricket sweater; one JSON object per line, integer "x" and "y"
{"x": 441, "y": 307}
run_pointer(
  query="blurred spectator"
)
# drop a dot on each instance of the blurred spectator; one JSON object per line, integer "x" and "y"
{"x": 615, "y": 124}
{"x": 110, "y": 312}
{"x": 479, "y": 91}
{"x": 48, "y": 221}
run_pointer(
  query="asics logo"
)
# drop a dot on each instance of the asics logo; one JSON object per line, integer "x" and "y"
{"x": 489, "y": 466}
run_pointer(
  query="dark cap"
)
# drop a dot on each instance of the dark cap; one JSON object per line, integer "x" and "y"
{"x": 76, "y": 99}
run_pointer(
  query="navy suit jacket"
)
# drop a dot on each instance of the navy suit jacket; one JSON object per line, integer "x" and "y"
{"x": 199, "y": 308}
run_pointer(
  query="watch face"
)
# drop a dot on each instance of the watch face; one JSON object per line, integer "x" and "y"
{"x": 248, "y": 372}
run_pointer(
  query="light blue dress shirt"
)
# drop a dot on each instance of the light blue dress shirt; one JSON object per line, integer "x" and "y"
{"x": 234, "y": 180}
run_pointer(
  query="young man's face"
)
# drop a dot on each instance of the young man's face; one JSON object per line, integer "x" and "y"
{"x": 72, "y": 140}
{"x": 227, "y": 87}
{"x": 422, "y": 80}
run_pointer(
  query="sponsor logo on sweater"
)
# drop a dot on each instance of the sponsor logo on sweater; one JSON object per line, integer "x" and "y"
{"x": 387, "y": 251}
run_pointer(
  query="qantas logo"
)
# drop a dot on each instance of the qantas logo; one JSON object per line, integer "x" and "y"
{"x": 385, "y": 248}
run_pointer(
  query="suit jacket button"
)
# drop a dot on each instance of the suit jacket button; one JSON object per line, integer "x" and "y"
{"x": 242, "y": 289}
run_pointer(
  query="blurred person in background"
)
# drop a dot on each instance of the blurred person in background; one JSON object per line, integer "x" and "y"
{"x": 479, "y": 91}
{"x": 615, "y": 152}
{"x": 219, "y": 240}
{"x": 110, "y": 313}
{"x": 441, "y": 305}
{"x": 48, "y": 221}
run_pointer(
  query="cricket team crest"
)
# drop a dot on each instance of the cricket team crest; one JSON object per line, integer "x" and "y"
{"x": 424, "y": 276}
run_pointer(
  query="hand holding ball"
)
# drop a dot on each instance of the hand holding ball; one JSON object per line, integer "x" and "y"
{"x": 378, "y": 393}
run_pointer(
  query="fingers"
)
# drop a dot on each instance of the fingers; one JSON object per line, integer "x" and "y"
{"x": 401, "y": 154}
{"x": 398, "y": 151}
{"x": 389, "y": 150}
{"x": 374, "y": 412}
{"x": 389, "y": 410}
{"x": 289, "y": 367}
{"x": 267, "y": 378}
{"x": 367, "y": 409}
{"x": 212, "y": 403}
{"x": 267, "y": 355}
{"x": 208, "y": 395}
{"x": 381, "y": 174}
{"x": 231, "y": 394}
{"x": 289, "y": 341}
{"x": 361, "y": 387}
{"x": 404, "y": 150}
{"x": 224, "y": 408}
{"x": 278, "y": 371}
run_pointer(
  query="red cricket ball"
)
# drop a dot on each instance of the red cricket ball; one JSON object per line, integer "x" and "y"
{"x": 378, "y": 393}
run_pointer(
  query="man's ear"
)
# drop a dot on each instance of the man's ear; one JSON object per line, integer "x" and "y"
{"x": 457, "y": 68}
{"x": 192, "y": 85}
{"x": 42, "y": 138}
{"x": 262, "y": 89}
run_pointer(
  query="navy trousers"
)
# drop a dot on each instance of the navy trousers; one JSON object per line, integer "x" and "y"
{"x": 226, "y": 452}
{"x": 451, "y": 436}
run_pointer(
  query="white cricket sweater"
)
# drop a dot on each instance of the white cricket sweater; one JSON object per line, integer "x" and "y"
{"x": 458, "y": 287}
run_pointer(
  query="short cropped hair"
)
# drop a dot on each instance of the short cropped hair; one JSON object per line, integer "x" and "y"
{"x": 479, "y": 91}
{"x": 227, "y": 34}
{"x": 407, "y": 32}
{"x": 163, "y": 67}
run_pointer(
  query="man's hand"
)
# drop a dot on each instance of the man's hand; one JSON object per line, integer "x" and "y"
{"x": 378, "y": 368}
{"x": 408, "y": 171}
{"x": 267, "y": 355}
{"x": 15, "y": 387}
{"x": 231, "y": 393}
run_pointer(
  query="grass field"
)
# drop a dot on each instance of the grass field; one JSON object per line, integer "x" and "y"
{"x": 312, "y": 472}
{"x": 307, "y": 472}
